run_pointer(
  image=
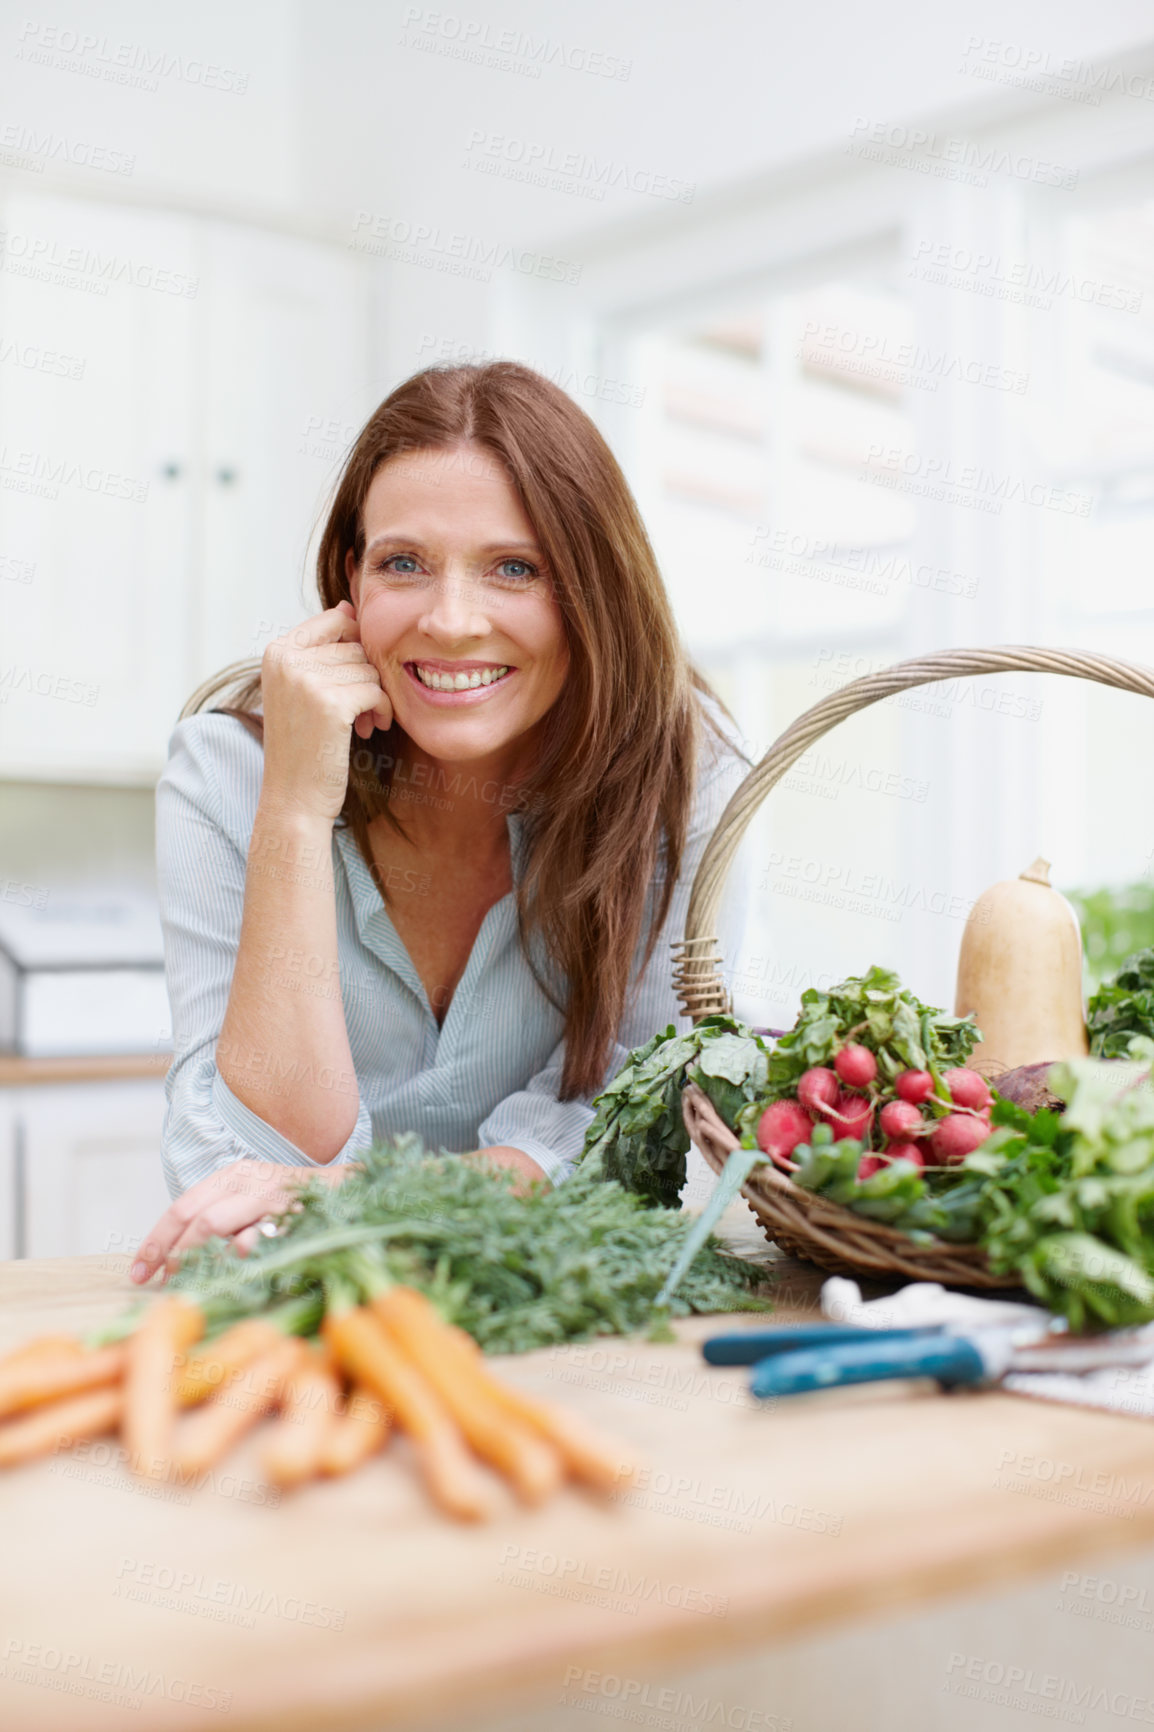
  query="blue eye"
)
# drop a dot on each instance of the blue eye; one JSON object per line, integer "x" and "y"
{"x": 409, "y": 564}
{"x": 526, "y": 570}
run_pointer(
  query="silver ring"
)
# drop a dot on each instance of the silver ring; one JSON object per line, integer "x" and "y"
{"x": 268, "y": 1226}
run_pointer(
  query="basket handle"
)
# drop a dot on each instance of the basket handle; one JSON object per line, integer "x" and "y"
{"x": 697, "y": 978}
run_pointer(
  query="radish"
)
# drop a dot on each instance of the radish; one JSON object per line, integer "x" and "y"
{"x": 869, "y": 1165}
{"x": 817, "y": 1090}
{"x": 914, "y": 1086}
{"x": 901, "y": 1120}
{"x": 901, "y": 1151}
{"x": 854, "y": 1115}
{"x": 780, "y": 1129}
{"x": 856, "y": 1066}
{"x": 967, "y": 1088}
{"x": 957, "y": 1136}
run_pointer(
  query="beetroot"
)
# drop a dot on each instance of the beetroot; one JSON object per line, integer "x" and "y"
{"x": 817, "y": 1090}
{"x": 967, "y": 1088}
{"x": 914, "y": 1086}
{"x": 853, "y": 1116}
{"x": 901, "y": 1151}
{"x": 1027, "y": 1087}
{"x": 955, "y": 1137}
{"x": 781, "y": 1128}
{"x": 901, "y": 1120}
{"x": 856, "y": 1066}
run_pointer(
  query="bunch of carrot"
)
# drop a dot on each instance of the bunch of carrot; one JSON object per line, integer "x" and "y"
{"x": 383, "y": 1360}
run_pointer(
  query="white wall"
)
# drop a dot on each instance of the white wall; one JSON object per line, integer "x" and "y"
{"x": 302, "y": 115}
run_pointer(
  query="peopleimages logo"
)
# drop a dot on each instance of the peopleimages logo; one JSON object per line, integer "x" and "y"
{"x": 499, "y": 153}
{"x": 77, "y": 1674}
{"x": 508, "y": 49}
{"x": 54, "y": 146}
{"x": 953, "y": 158}
{"x": 35, "y": 472}
{"x": 1025, "y": 282}
{"x": 127, "y": 63}
{"x": 459, "y": 254}
{"x": 37, "y": 255}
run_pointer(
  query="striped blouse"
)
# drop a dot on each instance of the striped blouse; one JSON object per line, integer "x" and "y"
{"x": 489, "y": 1075}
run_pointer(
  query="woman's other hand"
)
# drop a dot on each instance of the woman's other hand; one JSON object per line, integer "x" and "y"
{"x": 230, "y": 1202}
{"x": 316, "y": 685}
{"x": 511, "y": 1160}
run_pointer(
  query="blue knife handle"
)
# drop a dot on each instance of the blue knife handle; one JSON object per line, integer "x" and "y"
{"x": 948, "y": 1358}
{"x": 747, "y": 1347}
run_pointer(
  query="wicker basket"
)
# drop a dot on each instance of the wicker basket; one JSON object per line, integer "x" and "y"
{"x": 803, "y": 1222}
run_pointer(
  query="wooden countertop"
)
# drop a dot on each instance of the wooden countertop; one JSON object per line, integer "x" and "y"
{"x": 353, "y": 1603}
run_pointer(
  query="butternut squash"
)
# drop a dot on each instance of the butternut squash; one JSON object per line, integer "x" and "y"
{"x": 1020, "y": 973}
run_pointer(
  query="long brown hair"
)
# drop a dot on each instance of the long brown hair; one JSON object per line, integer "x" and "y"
{"x": 615, "y": 777}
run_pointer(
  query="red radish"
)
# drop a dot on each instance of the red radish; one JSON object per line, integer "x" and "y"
{"x": 899, "y": 1151}
{"x": 853, "y": 1116}
{"x": 856, "y": 1066}
{"x": 955, "y": 1137}
{"x": 781, "y": 1128}
{"x": 817, "y": 1090}
{"x": 967, "y": 1088}
{"x": 869, "y": 1165}
{"x": 914, "y": 1086}
{"x": 901, "y": 1120}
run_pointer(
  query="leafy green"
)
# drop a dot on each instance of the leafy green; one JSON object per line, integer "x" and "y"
{"x": 1115, "y": 923}
{"x": 564, "y": 1263}
{"x": 1065, "y": 1202}
{"x": 1123, "y": 1007}
{"x": 638, "y": 1135}
{"x": 901, "y": 1032}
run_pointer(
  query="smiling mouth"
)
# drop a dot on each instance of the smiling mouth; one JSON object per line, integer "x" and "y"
{"x": 473, "y": 679}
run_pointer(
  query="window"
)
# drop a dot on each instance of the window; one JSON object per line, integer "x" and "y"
{"x": 843, "y": 467}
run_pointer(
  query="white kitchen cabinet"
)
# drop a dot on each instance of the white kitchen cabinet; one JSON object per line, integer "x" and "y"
{"x": 89, "y": 1178}
{"x": 169, "y": 391}
{"x": 284, "y": 389}
{"x": 96, "y": 396}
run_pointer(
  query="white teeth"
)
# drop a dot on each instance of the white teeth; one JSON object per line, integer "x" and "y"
{"x": 461, "y": 682}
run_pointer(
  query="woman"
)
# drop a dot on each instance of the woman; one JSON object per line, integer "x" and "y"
{"x": 432, "y": 885}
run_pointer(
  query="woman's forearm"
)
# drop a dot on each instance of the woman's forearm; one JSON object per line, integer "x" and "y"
{"x": 284, "y": 1047}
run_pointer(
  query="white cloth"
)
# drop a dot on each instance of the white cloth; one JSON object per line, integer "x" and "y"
{"x": 1120, "y": 1388}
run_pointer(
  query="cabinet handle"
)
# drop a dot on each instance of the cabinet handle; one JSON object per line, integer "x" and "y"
{"x": 227, "y": 477}
{"x": 172, "y": 471}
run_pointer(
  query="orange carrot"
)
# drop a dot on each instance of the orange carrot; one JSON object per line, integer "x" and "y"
{"x": 31, "y": 1378}
{"x": 43, "y": 1344}
{"x": 171, "y": 1325}
{"x": 362, "y": 1349}
{"x": 203, "y": 1373}
{"x": 309, "y": 1400}
{"x": 533, "y": 1466}
{"x": 209, "y": 1433}
{"x": 57, "y": 1424}
{"x": 587, "y": 1454}
{"x": 356, "y": 1433}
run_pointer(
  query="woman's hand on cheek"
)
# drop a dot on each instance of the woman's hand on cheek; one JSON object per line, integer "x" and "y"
{"x": 382, "y": 716}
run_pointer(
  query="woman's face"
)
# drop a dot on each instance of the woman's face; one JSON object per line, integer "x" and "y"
{"x": 452, "y": 586}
